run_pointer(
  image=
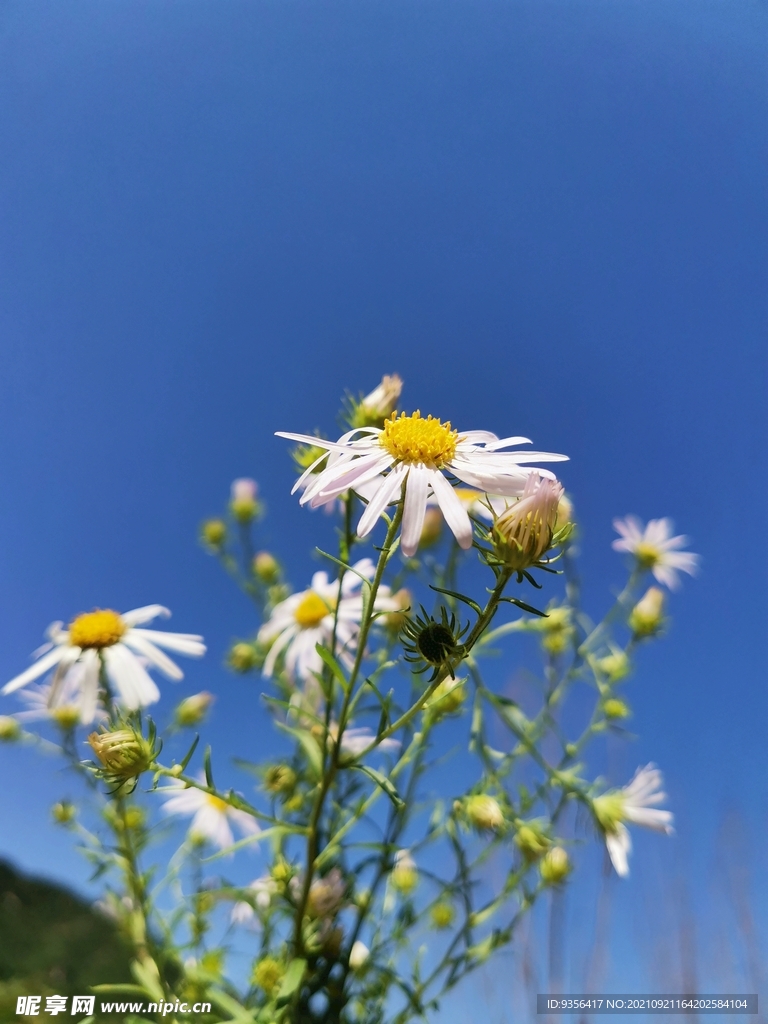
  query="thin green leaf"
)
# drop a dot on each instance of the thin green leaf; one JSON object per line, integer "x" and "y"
{"x": 190, "y": 752}
{"x": 459, "y": 597}
{"x": 383, "y": 783}
{"x": 208, "y": 770}
{"x": 333, "y": 665}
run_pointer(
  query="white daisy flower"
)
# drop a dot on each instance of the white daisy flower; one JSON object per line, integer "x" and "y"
{"x": 303, "y": 620}
{"x": 654, "y": 547}
{"x": 263, "y": 890}
{"x": 635, "y": 803}
{"x": 213, "y": 816}
{"x": 67, "y": 704}
{"x": 124, "y": 648}
{"x": 412, "y": 454}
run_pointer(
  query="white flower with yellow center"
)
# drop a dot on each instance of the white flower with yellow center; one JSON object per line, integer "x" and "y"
{"x": 412, "y": 454}
{"x": 635, "y": 803}
{"x": 655, "y": 548}
{"x": 212, "y": 816}
{"x": 67, "y": 704}
{"x": 303, "y": 620}
{"x": 117, "y": 641}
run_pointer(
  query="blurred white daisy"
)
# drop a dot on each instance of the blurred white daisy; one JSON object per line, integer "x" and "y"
{"x": 263, "y": 889}
{"x": 67, "y": 704}
{"x": 635, "y": 803}
{"x": 124, "y": 647}
{"x": 212, "y": 816}
{"x": 655, "y": 548}
{"x": 303, "y": 620}
{"x": 412, "y": 454}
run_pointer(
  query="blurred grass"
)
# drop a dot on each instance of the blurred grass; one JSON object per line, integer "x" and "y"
{"x": 52, "y": 943}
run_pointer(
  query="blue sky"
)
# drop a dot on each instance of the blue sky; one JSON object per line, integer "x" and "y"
{"x": 548, "y": 217}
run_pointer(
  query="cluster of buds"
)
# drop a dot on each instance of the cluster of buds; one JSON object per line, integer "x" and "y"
{"x": 123, "y": 755}
{"x": 539, "y": 521}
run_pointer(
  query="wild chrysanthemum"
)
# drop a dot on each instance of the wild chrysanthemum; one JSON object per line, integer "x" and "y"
{"x": 410, "y": 455}
{"x": 635, "y": 803}
{"x": 67, "y": 704}
{"x": 303, "y": 620}
{"x": 525, "y": 531}
{"x": 655, "y": 548}
{"x": 118, "y": 641}
{"x": 212, "y": 816}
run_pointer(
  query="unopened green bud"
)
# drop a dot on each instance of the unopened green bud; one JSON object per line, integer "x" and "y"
{"x": 647, "y": 616}
{"x": 484, "y": 812}
{"x": 243, "y": 503}
{"x": 532, "y": 841}
{"x": 192, "y": 710}
{"x": 615, "y": 665}
{"x": 213, "y": 533}
{"x": 448, "y": 697}
{"x": 242, "y": 657}
{"x": 123, "y": 754}
{"x": 267, "y": 974}
{"x": 266, "y": 567}
{"x": 554, "y": 866}
{"x": 443, "y": 914}
{"x": 432, "y": 527}
{"x": 134, "y": 817}
{"x": 372, "y": 410}
{"x": 405, "y": 875}
{"x": 9, "y": 729}
{"x": 280, "y": 779}
{"x": 615, "y": 709}
{"x": 63, "y": 812}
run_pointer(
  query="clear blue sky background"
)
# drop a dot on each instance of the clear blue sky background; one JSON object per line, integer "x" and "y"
{"x": 550, "y": 217}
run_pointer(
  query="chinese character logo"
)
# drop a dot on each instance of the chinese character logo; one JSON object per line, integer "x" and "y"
{"x": 83, "y": 1004}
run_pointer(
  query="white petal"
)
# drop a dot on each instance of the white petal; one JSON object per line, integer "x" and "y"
{"x": 139, "y": 616}
{"x": 35, "y": 671}
{"x": 415, "y": 508}
{"x": 135, "y": 687}
{"x": 386, "y": 493}
{"x": 619, "y": 846}
{"x": 454, "y": 512}
{"x": 183, "y": 643}
{"x": 141, "y": 645}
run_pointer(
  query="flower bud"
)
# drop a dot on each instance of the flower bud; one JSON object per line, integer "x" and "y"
{"x": 615, "y": 709}
{"x": 242, "y": 657}
{"x": 135, "y": 817}
{"x": 448, "y": 698}
{"x": 394, "y": 621}
{"x": 484, "y": 812}
{"x": 266, "y": 567}
{"x": 443, "y": 914}
{"x": 524, "y": 532}
{"x": 432, "y": 528}
{"x": 123, "y": 754}
{"x": 405, "y": 875}
{"x": 67, "y": 716}
{"x": 614, "y": 666}
{"x": 213, "y": 533}
{"x": 267, "y": 975}
{"x": 9, "y": 729}
{"x": 192, "y": 710}
{"x": 326, "y": 894}
{"x": 532, "y": 841}
{"x": 647, "y": 616}
{"x": 281, "y": 872}
{"x": 280, "y": 779}
{"x": 554, "y": 866}
{"x": 358, "y": 955}
{"x": 372, "y": 410}
{"x": 243, "y": 504}
{"x": 63, "y": 812}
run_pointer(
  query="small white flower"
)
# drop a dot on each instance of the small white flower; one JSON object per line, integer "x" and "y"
{"x": 67, "y": 704}
{"x": 411, "y": 455}
{"x": 635, "y": 803}
{"x": 264, "y": 889}
{"x": 358, "y": 955}
{"x": 244, "y": 489}
{"x": 213, "y": 816}
{"x": 655, "y": 548}
{"x": 303, "y": 620}
{"x": 124, "y": 647}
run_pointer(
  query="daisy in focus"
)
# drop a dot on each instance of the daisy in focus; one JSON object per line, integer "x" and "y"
{"x": 635, "y": 803}
{"x": 212, "y": 817}
{"x": 410, "y": 455}
{"x": 303, "y": 620}
{"x": 655, "y": 548}
{"x": 117, "y": 641}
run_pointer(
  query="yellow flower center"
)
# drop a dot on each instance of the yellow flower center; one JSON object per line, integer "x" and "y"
{"x": 647, "y": 555}
{"x": 217, "y": 803}
{"x": 311, "y": 610}
{"x": 412, "y": 439}
{"x": 96, "y": 629}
